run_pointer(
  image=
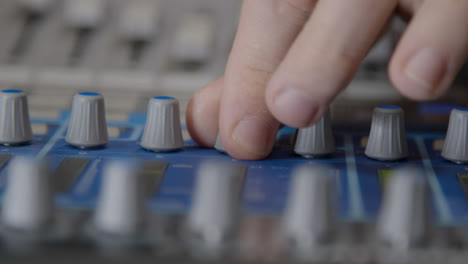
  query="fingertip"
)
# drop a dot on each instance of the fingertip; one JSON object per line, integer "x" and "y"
{"x": 202, "y": 114}
{"x": 421, "y": 74}
{"x": 291, "y": 105}
{"x": 252, "y": 138}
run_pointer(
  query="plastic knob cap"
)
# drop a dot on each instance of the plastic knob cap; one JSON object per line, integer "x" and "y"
{"x": 219, "y": 145}
{"x": 404, "y": 220}
{"x": 456, "y": 141}
{"x": 28, "y": 202}
{"x": 162, "y": 129}
{"x": 387, "y": 138}
{"x": 215, "y": 203}
{"x": 310, "y": 216}
{"x": 87, "y": 127}
{"x": 15, "y": 127}
{"x": 120, "y": 207}
{"x": 316, "y": 140}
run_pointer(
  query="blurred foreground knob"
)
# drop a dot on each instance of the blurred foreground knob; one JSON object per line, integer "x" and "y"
{"x": 404, "y": 219}
{"x": 15, "y": 127}
{"x": 215, "y": 204}
{"x": 120, "y": 207}
{"x": 309, "y": 219}
{"x": 387, "y": 138}
{"x": 456, "y": 141}
{"x": 87, "y": 127}
{"x": 28, "y": 201}
{"x": 316, "y": 140}
{"x": 162, "y": 129}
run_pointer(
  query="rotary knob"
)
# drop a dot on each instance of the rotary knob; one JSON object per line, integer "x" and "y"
{"x": 387, "y": 138}
{"x": 15, "y": 127}
{"x": 316, "y": 140}
{"x": 87, "y": 127}
{"x": 120, "y": 207}
{"x": 28, "y": 201}
{"x": 215, "y": 205}
{"x": 219, "y": 145}
{"x": 310, "y": 216}
{"x": 456, "y": 141}
{"x": 404, "y": 220}
{"x": 162, "y": 129}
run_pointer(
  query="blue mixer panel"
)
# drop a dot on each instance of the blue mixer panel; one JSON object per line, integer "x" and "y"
{"x": 266, "y": 183}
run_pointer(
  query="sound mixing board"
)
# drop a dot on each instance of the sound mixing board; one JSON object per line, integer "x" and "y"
{"x": 96, "y": 164}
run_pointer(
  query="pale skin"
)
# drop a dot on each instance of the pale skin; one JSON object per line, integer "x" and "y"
{"x": 290, "y": 58}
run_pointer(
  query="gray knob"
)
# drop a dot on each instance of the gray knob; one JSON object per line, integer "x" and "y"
{"x": 162, "y": 129}
{"x": 215, "y": 203}
{"x": 15, "y": 127}
{"x": 404, "y": 219}
{"x": 36, "y": 6}
{"x": 87, "y": 127}
{"x": 387, "y": 138}
{"x": 456, "y": 141}
{"x": 219, "y": 145}
{"x": 316, "y": 140}
{"x": 28, "y": 202}
{"x": 84, "y": 13}
{"x": 310, "y": 214}
{"x": 138, "y": 20}
{"x": 120, "y": 207}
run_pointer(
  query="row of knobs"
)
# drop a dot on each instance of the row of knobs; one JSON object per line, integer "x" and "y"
{"x": 87, "y": 126}
{"x": 387, "y": 137}
{"x": 310, "y": 217}
{"x": 404, "y": 221}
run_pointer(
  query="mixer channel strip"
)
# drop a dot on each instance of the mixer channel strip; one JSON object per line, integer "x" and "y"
{"x": 326, "y": 194}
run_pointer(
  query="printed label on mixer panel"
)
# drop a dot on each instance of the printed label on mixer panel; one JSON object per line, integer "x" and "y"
{"x": 152, "y": 174}
{"x": 67, "y": 172}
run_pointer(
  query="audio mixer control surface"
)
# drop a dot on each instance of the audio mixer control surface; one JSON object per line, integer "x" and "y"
{"x": 325, "y": 195}
{"x": 96, "y": 164}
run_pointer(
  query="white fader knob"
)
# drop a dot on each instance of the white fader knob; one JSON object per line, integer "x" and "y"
{"x": 28, "y": 202}
{"x": 404, "y": 219}
{"x": 387, "y": 138}
{"x": 15, "y": 127}
{"x": 310, "y": 213}
{"x": 138, "y": 20}
{"x": 162, "y": 129}
{"x": 456, "y": 141}
{"x": 36, "y": 6}
{"x": 215, "y": 203}
{"x": 193, "y": 39}
{"x": 84, "y": 13}
{"x": 316, "y": 140}
{"x": 87, "y": 127}
{"x": 120, "y": 207}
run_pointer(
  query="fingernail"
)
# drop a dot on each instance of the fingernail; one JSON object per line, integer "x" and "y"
{"x": 295, "y": 106}
{"x": 427, "y": 68}
{"x": 254, "y": 135}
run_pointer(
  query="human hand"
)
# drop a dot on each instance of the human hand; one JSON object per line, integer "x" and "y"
{"x": 290, "y": 58}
